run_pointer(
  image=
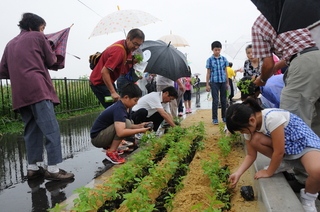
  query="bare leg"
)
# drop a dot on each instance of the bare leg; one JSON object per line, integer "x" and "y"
{"x": 262, "y": 144}
{"x": 313, "y": 170}
{"x": 114, "y": 146}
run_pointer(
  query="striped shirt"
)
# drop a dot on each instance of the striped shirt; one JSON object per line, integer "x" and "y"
{"x": 265, "y": 41}
{"x": 217, "y": 67}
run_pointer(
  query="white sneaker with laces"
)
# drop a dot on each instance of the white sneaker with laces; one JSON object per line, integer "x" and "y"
{"x": 308, "y": 201}
{"x": 284, "y": 166}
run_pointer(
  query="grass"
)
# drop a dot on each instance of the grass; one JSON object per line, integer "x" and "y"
{"x": 10, "y": 127}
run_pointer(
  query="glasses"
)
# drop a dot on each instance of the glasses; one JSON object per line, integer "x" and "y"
{"x": 136, "y": 44}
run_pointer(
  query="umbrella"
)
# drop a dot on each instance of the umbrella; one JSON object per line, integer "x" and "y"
{"x": 165, "y": 60}
{"x": 122, "y": 20}
{"x": 176, "y": 40}
{"x": 287, "y": 15}
{"x": 237, "y": 47}
{"x": 196, "y": 74}
{"x": 58, "y": 41}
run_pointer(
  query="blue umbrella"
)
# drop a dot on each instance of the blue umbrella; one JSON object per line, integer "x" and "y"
{"x": 165, "y": 60}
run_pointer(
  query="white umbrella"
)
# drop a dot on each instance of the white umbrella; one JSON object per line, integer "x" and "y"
{"x": 122, "y": 20}
{"x": 174, "y": 40}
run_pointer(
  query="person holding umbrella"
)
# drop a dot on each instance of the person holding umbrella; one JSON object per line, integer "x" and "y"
{"x": 297, "y": 49}
{"x": 112, "y": 64}
{"x": 25, "y": 62}
{"x": 301, "y": 93}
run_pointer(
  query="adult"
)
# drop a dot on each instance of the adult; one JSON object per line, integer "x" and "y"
{"x": 25, "y": 62}
{"x": 197, "y": 86}
{"x": 114, "y": 61}
{"x": 297, "y": 49}
{"x": 163, "y": 82}
{"x": 155, "y": 107}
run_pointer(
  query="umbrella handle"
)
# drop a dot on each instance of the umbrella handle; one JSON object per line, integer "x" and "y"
{"x": 169, "y": 43}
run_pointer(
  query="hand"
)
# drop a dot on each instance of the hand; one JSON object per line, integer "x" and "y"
{"x": 115, "y": 96}
{"x": 261, "y": 174}
{"x": 208, "y": 88}
{"x": 258, "y": 82}
{"x": 234, "y": 178}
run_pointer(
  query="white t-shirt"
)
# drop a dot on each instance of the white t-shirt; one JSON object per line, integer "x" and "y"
{"x": 161, "y": 80}
{"x": 151, "y": 102}
{"x": 272, "y": 121}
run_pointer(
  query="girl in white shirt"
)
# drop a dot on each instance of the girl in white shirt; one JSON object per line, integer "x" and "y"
{"x": 279, "y": 135}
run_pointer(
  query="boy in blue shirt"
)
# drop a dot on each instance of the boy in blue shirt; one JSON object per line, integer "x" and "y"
{"x": 115, "y": 123}
{"x": 217, "y": 80}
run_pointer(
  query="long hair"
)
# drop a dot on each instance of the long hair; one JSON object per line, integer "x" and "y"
{"x": 238, "y": 115}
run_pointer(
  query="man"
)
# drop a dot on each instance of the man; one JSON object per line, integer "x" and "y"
{"x": 217, "y": 81}
{"x": 163, "y": 82}
{"x": 297, "y": 49}
{"x": 114, "y": 62}
{"x": 155, "y": 107}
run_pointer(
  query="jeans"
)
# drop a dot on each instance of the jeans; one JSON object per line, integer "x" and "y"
{"x": 40, "y": 121}
{"x": 121, "y": 81}
{"x": 102, "y": 91}
{"x": 215, "y": 88}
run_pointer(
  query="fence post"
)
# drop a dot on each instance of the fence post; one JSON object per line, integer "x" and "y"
{"x": 67, "y": 93}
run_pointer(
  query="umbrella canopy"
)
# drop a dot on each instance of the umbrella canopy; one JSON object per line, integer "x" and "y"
{"x": 176, "y": 40}
{"x": 236, "y": 50}
{"x": 58, "y": 41}
{"x": 122, "y": 20}
{"x": 165, "y": 60}
{"x": 287, "y": 15}
{"x": 196, "y": 74}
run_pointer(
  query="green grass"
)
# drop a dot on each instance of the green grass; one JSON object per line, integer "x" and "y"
{"x": 8, "y": 127}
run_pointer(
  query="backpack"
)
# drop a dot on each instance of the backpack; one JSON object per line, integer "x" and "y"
{"x": 94, "y": 58}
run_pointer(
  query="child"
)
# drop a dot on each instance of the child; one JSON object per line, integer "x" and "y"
{"x": 231, "y": 77}
{"x": 187, "y": 93}
{"x": 279, "y": 135}
{"x": 114, "y": 123}
{"x": 217, "y": 76}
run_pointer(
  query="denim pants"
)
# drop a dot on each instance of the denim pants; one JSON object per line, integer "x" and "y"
{"x": 215, "y": 88}
{"x": 40, "y": 121}
{"x": 101, "y": 91}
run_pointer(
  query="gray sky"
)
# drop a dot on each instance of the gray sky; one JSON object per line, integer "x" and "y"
{"x": 200, "y": 22}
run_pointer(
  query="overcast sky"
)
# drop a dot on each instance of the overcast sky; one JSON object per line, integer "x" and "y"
{"x": 200, "y": 22}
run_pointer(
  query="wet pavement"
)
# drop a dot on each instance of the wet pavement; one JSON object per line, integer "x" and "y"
{"x": 80, "y": 157}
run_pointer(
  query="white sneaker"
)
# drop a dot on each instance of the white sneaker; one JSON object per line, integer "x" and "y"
{"x": 308, "y": 201}
{"x": 284, "y": 166}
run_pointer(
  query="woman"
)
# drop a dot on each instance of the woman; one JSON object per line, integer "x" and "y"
{"x": 25, "y": 62}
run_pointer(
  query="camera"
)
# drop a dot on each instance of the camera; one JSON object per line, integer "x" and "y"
{"x": 149, "y": 125}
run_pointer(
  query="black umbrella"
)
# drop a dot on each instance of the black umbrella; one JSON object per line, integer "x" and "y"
{"x": 287, "y": 15}
{"x": 165, "y": 60}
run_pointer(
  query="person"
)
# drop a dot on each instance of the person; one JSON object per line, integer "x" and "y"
{"x": 33, "y": 95}
{"x": 251, "y": 66}
{"x": 114, "y": 123}
{"x": 154, "y": 107}
{"x": 163, "y": 82}
{"x": 270, "y": 93}
{"x": 197, "y": 86}
{"x": 217, "y": 80}
{"x": 297, "y": 49}
{"x": 114, "y": 61}
{"x": 231, "y": 77}
{"x": 284, "y": 138}
{"x": 187, "y": 94}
